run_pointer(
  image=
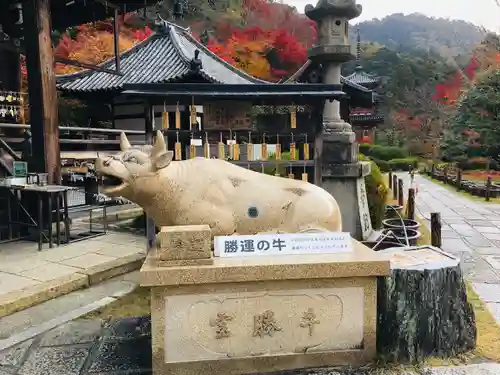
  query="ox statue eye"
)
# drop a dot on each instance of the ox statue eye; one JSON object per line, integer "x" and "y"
{"x": 132, "y": 159}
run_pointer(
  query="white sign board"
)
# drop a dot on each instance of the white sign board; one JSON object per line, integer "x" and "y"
{"x": 283, "y": 244}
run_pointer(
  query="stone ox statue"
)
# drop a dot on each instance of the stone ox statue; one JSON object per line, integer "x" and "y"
{"x": 230, "y": 199}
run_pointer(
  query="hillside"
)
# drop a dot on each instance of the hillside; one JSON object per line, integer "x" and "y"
{"x": 405, "y": 32}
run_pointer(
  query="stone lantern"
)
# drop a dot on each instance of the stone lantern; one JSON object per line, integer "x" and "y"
{"x": 332, "y": 49}
{"x": 342, "y": 175}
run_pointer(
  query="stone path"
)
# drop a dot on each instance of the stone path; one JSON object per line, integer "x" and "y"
{"x": 470, "y": 230}
{"x": 28, "y": 276}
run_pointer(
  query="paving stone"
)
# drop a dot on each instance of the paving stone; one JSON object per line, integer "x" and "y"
{"x": 488, "y": 292}
{"x": 495, "y": 311}
{"x": 480, "y": 272}
{"x": 55, "y": 361}
{"x": 493, "y": 260}
{"x": 488, "y": 229}
{"x": 492, "y": 250}
{"x": 9, "y": 283}
{"x": 4, "y": 372}
{"x": 455, "y": 245}
{"x": 479, "y": 223}
{"x": 123, "y": 355}
{"x": 451, "y": 234}
{"x": 492, "y": 236}
{"x": 129, "y": 328}
{"x": 477, "y": 241}
{"x": 15, "y": 356}
{"x": 75, "y": 332}
{"x": 478, "y": 369}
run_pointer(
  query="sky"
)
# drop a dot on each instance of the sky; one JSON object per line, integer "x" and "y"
{"x": 487, "y": 12}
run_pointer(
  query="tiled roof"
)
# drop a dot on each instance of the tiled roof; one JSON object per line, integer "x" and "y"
{"x": 343, "y": 80}
{"x": 362, "y": 78}
{"x": 163, "y": 57}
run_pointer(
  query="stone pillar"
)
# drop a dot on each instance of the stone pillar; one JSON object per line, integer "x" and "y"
{"x": 342, "y": 174}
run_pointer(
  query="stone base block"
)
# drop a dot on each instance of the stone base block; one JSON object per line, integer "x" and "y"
{"x": 350, "y": 193}
{"x": 264, "y": 314}
{"x": 179, "y": 244}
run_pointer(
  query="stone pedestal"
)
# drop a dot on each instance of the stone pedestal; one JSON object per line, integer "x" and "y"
{"x": 343, "y": 176}
{"x": 260, "y": 314}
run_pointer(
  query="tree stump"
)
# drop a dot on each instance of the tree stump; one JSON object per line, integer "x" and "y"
{"x": 422, "y": 307}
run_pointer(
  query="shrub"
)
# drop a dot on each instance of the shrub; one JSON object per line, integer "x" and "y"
{"x": 376, "y": 193}
{"x": 386, "y": 152}
{"x": 383, "y": 165}
{"x": 403, "y": 164}
{"x": 477, "y": 163}
{"x": 365, "y": 148}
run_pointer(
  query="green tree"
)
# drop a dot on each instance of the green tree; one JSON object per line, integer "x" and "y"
{"x": 478, "y": 111}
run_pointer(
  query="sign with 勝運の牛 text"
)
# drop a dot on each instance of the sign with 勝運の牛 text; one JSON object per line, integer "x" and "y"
{"x": 283, "y": 244}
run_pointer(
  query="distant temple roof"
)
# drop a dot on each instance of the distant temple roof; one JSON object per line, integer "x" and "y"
{"x": 164, "y": 57}
{"x": 360, "y": 76}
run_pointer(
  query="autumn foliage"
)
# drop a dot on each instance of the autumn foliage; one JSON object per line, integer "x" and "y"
{"x": 94, "y": 44}
{"x": 272, "y": 45}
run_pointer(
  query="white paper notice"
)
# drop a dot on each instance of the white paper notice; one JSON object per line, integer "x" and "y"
{"x": 283, "y": 244}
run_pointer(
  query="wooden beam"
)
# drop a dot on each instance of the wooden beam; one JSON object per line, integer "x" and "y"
{"x": 116, "y": 40}
{"x": 96, "y": 68}
{"x": 42, "y": 89}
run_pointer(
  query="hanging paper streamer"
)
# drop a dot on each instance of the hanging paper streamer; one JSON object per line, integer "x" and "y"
{"x": 293, "y": 117}
{"x": 164, "y": 118}
{"x": 192, "y": 112}
{"x": 306, "y": 149}
{"x": 293, "y": 149}
{"x": 178, "y": 149}
{"x": 305, "y": 177}
{"x": 192, "y": 147}
{"x": 263, "y": 148}
{"x": 222, "y": 149}
{"x": 177, "y": 117}
{"x": 236, "y": 149}
{"x": 250, "y": 147}
{"x": 206, "y": 147}
{"x": 278, "y": 147}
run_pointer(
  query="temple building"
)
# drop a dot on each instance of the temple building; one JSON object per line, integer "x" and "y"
{"x": 364, "y": 119}
{"x": 173, "y": 56}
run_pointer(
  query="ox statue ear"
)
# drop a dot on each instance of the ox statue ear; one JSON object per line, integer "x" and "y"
{"x": 163, "y": 160}
{"x": 159, "y": 154}
{"x": 124, "y": 143}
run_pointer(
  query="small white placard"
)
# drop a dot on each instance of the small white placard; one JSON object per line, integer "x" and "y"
{"x": 283, "y": 244}
{"x": 231, "y": 142}
{"x": 196, "y": 142}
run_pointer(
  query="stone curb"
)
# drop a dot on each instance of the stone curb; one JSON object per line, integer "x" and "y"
{"x": 129, "y": 213}
{"x": 30, "y": 296}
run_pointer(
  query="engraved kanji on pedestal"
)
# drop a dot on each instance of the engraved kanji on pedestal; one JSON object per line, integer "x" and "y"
{"x": 265, "y": 324}
{"x": 309, "y": 320}
{"x": 220, "y": 324}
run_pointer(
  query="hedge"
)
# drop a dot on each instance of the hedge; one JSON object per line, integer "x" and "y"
{"x": 376, "y": 193}
{"x": 402, "y": 164}
{"x": 382, "y": 152}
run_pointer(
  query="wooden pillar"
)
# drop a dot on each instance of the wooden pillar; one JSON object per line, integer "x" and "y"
{"x": 394, "y": 187}
{"x": 436, "y": 229}
{"x": 459, "y": 179}
{"x": 401, "y": 201}
{"x": 487, "y": 193}
{"x": 411, "y": 204}
{"x": 42, "y": 89}
{"x": 148, "y": 121}
{"x": 390, "y": 179}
